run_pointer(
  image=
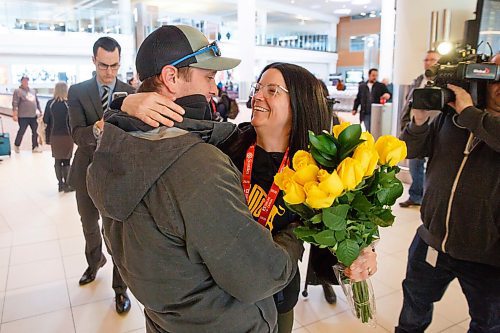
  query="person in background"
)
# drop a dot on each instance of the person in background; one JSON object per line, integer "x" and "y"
{"x": 390, "y": 88}
{"x": 58, "y": 134}
{"x": 369, "y": 92}
{"x": 25, "y": 110}
{"x": 133, "y": 82}
{"x": 417, "y": 165}
{"x": 87, "y": 102}
{"x": 340, "y": 85}
{"x": 224, "y": 105}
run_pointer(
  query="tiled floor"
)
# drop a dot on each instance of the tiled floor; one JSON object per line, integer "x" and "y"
{"x": 42, "y": 258}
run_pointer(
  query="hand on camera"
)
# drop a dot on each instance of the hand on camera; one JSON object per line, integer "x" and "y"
{"x": 153, "y": 109}
{"x": 462, "y": 99}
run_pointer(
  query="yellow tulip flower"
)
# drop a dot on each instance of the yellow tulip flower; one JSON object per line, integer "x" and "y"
{"x": 316, "y": 198}
{"x": 281, "y": 179}
{"x": 390, "y": 149}
{"x": 350, "y": 172}
{"x": 368, "y": 157}
{"x": 294, "y": 193}
{"x": 306, "y": 174}
{"x": 302, "y": 159}
{"x": 337, "y": 129}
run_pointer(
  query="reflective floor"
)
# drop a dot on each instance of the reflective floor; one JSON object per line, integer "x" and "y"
{"x": 42, "y": 258}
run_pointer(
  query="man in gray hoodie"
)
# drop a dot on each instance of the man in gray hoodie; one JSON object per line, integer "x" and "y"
{"x": 180, "y": 230}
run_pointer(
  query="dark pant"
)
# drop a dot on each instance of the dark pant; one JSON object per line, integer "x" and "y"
{"x": 366, "y": 119}
{"x": 425, "y": 285}
{"x": 93, "y": 239}
{"x": 61, "y": 166}
{"x": 417, "y": 171}
{"x": 23, "y": 125}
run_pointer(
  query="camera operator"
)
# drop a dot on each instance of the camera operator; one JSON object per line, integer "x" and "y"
{"x": 460, "y": 235}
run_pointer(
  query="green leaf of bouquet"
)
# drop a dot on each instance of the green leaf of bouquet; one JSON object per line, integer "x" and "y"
{"x": 316, "y": 218}
{"x": 340, "y": 235}
{"x": 302, "y": 210}
{"x": 346, "y": 198}
{"x": 347, "y": 150}
{"x": 350, "y": 135}
{"x": 361, "y": 203}
{"x": 326, "y": 238}
{"x": 302, "y": 232}
{"x": 389, "y": 195}
{"x": 328, "y": 145}
{"x": 347, "y": 251}
{"x": 382, "y": 218}
{"x": 320, "y": 159}
{"x": 335, "y": 217}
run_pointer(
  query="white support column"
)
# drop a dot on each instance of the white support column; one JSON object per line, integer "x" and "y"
{"x": 125, "y": 12}
{"x": 388, "y": 23}
{"x": 332, "y": 36}
{"x": 246, "y": 41}
{"x": 261, "y": 26}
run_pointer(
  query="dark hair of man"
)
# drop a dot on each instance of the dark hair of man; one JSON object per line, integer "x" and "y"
{"x": 108, "y": 44}
{"x": 372, "y": 70}
{"x": 309, "y": 110}
{"x": 154, "y": 83}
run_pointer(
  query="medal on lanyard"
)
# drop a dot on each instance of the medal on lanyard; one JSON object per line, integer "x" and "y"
{"x": 247, "y": 183}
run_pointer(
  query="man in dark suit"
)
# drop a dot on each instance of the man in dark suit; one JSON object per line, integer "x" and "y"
{"x": 369, "y": 92}
{"x": 87, "y": 102}
{"x": 416, "y": 165}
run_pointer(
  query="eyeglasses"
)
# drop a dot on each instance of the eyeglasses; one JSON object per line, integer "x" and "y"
{"x": 210, "y": 47}
{"x": 269, "y": 90}
{"x": 104, "y": 67}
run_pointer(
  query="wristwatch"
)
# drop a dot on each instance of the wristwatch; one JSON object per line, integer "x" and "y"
{"x": 97, "y": 131}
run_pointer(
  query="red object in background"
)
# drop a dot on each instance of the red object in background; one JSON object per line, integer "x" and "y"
{"x": 382, "y": 100}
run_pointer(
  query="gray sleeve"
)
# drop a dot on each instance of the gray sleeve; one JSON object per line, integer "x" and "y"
{"x": 81, "y": 132}
{"x": 15, "y": 100}
{"x": 483, "y": 125}
{"x": 418, "y": 139}
{"x": 240, "y": 254}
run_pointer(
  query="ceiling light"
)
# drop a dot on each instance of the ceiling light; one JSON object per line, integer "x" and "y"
{"x": 338, "y": 0}
{"x": 342, "y": 11}
{"x": 292, "y": 1}
{"x": 360, "y": 2}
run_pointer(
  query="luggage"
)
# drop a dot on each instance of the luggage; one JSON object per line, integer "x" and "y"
{"x": 4, "y": 141}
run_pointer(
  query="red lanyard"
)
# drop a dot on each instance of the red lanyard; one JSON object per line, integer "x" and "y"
{"x": 247, "y": 183}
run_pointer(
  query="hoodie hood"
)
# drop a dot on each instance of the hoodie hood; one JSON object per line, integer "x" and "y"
{"x": 127, "y": 164}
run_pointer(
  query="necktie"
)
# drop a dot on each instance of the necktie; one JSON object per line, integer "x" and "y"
{"x": 105, "y": 98}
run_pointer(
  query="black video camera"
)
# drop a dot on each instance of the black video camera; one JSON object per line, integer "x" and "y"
{"x": 465, "y": 69}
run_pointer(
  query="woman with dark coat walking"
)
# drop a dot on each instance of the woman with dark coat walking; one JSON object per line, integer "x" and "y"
{"x": 58, "y": 134}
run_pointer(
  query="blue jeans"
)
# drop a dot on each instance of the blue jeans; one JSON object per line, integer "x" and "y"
{"x": 417, "y": 172}
{"x": 425, "y": 285}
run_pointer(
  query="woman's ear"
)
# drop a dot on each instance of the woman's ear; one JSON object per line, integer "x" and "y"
{"x": 170, "y": 78}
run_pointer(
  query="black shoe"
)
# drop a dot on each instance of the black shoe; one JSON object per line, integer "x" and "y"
{"x": 122, "y": 303}
{"x": 330, "y": 296}
{"x": 89, "y": 274}
{"x": 408, "y": 203}
{"x": 61, "y": 187}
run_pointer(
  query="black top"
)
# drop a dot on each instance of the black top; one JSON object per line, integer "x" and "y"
{"x": 366, "y": 97}
{"x": 265, "y": 167}
{"x": 56, "y": 118}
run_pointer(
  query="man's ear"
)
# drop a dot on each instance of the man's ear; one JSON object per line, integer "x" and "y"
{"x": 93, "y": 60}
{"x": 170, "y": 78}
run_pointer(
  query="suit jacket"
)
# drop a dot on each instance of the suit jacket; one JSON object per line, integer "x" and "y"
{"x": 85, "y": 108}
{"x": 365, "y": 98}
{"x": 406, "y": 110}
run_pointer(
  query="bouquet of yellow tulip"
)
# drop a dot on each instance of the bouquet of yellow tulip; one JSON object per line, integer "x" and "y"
{"x": 343, "y": 189}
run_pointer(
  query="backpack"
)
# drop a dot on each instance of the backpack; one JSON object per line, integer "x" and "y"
{"x": 233, "y": 110}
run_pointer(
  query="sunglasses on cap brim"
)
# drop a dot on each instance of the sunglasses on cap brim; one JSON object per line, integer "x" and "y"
{"x": 210, "y": 47}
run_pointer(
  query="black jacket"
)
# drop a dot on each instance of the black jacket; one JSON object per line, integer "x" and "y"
{"x": 467, "y": 185}
{"x": 365, "y": 97}
{"x": 85, "y": 108}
